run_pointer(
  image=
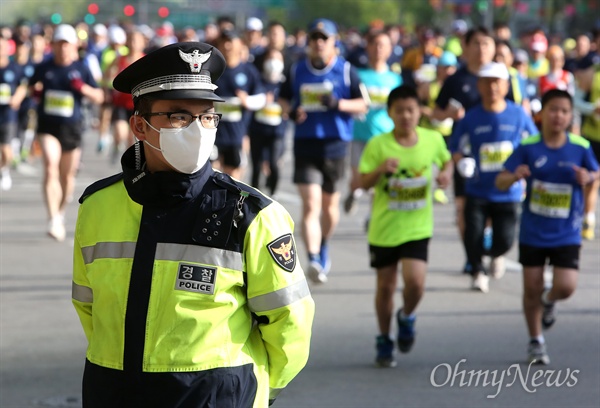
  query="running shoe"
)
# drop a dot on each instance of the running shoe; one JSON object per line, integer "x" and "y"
{"x": 481, "y": 282}
{"x": 537, "y": 353}
{"x": 406, "y": 332}
{"x": 385, "y": 352}
{"x": 324, "y": 259}
{"x": 548, "y": 314}
{"x": 56, "y": 228}
{"x": 498, "y": 267}
{"x": 315, "y": 272}
{"x": 467, "y": 269}
{"x": 350, "y": 204}
{"x": 102, "y": 144}
{"x": 6, "y": 181}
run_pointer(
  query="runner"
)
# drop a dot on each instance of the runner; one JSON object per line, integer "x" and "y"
{"x": 429, "y": 90}
{"x": 321, "y": 94}
{"x": 242, "y": 90}
{"x": 485, "y": 138}
{"x": 122, "y": 104}
{"x": 557, "y": 165}
{"x": 459, "y": 94}
{"x": 65, "y": 81}
{"x": 11, "y": 94}
{"x": 398, "y": 164}
{"x": 379, "y": 81}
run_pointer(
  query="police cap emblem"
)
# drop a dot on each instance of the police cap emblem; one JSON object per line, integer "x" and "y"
{"x": 185, "y": 70}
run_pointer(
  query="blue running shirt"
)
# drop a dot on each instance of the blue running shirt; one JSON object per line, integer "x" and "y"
{"x": 491, "y": 138}
{"x": 553, "y": 207}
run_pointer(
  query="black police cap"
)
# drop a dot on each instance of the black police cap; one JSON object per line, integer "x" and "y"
{"x": 185, "y": 70}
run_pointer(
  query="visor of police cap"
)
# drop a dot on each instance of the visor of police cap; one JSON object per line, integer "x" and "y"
{"x": 186, "y": 70}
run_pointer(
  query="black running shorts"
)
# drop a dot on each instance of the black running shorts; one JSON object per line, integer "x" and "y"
{"x": 326, "y": 172}
{"x": 561, "y": 257}
{"x": 386, "y": 256}
{"x": 68, "y": 134}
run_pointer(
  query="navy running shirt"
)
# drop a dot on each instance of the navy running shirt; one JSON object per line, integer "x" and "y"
{"x": 59, "y": 103}
{"x": 268, "y": 121}
{"x": 10, "y": 78}
{"x": 236, "y": 119}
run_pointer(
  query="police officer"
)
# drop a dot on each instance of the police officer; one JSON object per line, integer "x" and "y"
{"x": 186, "y": 282}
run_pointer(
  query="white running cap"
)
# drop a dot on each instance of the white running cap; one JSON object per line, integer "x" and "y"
{"x": 65, "y": 32}
{"x": 494, "y": 70}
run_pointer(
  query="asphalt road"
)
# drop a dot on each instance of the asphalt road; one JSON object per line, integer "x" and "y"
{"x": 470, "y": 348}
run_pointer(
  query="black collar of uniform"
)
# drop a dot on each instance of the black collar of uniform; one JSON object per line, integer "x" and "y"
{"x": 161, "y": 188}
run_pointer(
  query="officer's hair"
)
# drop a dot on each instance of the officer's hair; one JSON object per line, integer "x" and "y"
{"x": 402, "y": 92}
{"x": 477, "y": 30}
{"x": 142, "y": 105}
{"x": 555, "y": 94}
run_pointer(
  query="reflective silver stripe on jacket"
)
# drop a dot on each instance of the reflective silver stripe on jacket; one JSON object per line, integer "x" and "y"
{"x": 166, "y": 252}
{"x": 199, "y": 254}
{"x": 279, "y": 298}
{"x": 82, "y": 293}
{"x": 112, "y": 250}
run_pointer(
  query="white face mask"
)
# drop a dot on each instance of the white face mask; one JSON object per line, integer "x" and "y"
{"x": 186, "y": 149}
{"x": 273, "y": 70}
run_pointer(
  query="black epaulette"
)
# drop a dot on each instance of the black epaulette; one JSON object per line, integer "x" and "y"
{"x": 99, "y": 185}
{"x": 227, "y": 210}
{"x": 226, "y": 181}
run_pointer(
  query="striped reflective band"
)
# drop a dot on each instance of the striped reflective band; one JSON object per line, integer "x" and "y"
{"x": 112, "y": 250}
{"x": 279, "y": 298}
{"x": 82, "y": 293}
{"x": 166, "y": 252}
{"x": 199, "y": 254}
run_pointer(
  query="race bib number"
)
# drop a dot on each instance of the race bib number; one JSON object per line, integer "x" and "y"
{"x": 493, "y": 155}
{"x": 551, "y": 200}
{"x": 5, "y": 94}
{"x": 407, "y": 194}
{"x": 269, "y": 115}
{"x": 378, "y": 97}
{"x": 231, "y": 109}
{"x": 59, "y": 103}
{"x": 311, "y": 94}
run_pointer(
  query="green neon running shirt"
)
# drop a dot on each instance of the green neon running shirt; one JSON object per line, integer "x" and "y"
{"x": 402, "y": 207}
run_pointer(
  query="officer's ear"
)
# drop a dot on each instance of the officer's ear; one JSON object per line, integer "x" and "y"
{"x": 137, "y": 125}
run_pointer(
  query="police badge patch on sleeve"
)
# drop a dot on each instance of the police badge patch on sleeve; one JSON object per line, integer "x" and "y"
{"x": 283, "y": 251}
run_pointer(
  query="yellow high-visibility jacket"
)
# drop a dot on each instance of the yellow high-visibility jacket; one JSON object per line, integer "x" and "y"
{"x": 189, "y": 291}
